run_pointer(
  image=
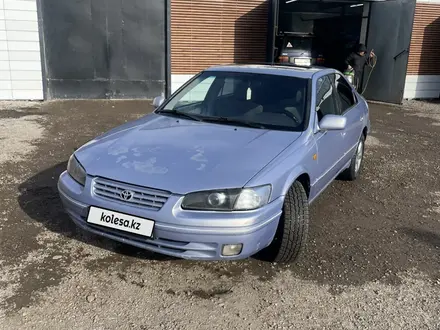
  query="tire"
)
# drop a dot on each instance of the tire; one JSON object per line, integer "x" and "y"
{"x": 353, "y": 172}
{"x": 291, "y": 235}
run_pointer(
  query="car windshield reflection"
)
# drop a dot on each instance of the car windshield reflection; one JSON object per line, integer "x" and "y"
{"x": 247, "y": 99}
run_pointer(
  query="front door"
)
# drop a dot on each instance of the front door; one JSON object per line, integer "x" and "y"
{"x": 328, "y": 143}
{"x": 389, "y": 34}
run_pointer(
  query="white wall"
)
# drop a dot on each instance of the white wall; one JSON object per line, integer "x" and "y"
{"x": 178, "y": 80}
{"x": 422, "y": 87}
{"x": 20, "y": 63}
{"x": 428, "y": 1}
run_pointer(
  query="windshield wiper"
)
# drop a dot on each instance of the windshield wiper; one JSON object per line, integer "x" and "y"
{"x": 180, "y": 114}
{"x": 233, "y": 122}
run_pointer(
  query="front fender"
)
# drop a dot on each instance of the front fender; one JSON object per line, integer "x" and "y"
{"x": 287, "y": 167}
{"x": 282, "y": 184}
{"x": 292, "y": 177}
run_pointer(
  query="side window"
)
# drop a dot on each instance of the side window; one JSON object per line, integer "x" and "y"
{"x": 344, "y": 92}
{"x": 325, "y": 101}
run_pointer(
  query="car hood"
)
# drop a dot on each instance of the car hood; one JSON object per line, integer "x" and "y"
{"x": 181, "y": 156}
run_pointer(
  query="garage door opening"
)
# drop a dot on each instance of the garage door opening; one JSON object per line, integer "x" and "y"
{"x": 324, "y": 32}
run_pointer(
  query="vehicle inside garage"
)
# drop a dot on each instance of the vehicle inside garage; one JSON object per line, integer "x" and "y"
{"x": 324, "y": 31}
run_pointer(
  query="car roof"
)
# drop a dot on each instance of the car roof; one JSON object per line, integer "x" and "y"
{"x": 273, "y": 69}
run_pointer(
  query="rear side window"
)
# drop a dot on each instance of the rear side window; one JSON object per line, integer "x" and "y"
{"x": 344, "y": 93}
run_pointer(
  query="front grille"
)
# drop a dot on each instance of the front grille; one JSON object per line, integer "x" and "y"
{"x": 142, "y": 197}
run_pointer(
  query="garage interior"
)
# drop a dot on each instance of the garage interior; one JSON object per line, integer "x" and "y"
{"x": 334, "y": 27}
{"x": 337, "y": 26}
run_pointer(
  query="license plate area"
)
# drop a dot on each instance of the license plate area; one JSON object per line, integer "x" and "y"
{"x": 303, "y": 61}
{"x": 120, "y": 221}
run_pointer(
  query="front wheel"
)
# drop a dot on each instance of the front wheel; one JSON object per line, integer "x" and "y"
{"x": 354, "y": 170}
{"x": 291, "y": 235}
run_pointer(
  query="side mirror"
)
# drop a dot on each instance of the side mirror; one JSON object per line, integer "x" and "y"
{"x": 157, "y": 102}
{"x": 332, "y": 123}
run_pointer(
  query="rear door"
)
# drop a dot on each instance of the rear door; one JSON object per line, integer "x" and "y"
{"x": 350, "y": 109}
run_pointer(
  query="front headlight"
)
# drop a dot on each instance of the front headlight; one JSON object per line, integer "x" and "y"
{"x": 76, "y": 171}
{"x": 228, "y": 200}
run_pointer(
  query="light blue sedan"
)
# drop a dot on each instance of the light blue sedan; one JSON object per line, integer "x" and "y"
{"x": 225, "y": 168}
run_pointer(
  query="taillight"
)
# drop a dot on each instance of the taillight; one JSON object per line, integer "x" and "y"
{"x": 283, "y": 59}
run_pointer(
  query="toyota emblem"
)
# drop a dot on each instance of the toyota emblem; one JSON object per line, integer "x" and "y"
{"x": 127, "y": 195}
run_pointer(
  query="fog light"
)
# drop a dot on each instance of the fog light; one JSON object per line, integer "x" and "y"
{"x": 229, "y": 250}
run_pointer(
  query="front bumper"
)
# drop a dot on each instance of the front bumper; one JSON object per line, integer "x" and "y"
{"x": 179, "y": 233}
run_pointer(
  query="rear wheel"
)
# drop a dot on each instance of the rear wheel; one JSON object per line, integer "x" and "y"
{"x": 291, "y": 235}
{"x": 354, "y": 170}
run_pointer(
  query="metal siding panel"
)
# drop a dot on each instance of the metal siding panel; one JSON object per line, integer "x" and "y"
{"x": 69, "y": 39}
{"x": 389, "y": 34}
{"x": 104, "y": 48}
{"x": 425, "y": 41}
{"x": 206, "y": 33}
{"x": 382, "y": 37}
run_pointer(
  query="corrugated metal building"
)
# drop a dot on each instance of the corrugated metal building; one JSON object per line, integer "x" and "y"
{"x": 113, "y": 62}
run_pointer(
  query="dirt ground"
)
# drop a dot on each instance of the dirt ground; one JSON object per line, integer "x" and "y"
{"x": 373, "y": 259}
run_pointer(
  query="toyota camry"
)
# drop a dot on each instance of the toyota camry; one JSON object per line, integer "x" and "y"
{"x": 225, "y": 168}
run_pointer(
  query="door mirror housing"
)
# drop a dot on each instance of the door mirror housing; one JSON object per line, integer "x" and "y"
{"x": 157, "y": 102}
{"x": 332, "y": 123}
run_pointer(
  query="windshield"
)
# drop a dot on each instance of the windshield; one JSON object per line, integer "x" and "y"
{"x": 257, "y": 100}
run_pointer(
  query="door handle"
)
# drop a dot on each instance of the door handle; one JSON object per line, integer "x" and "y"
{"x": 400, "y": 54}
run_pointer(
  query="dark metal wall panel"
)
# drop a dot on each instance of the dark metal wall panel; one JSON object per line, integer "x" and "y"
{"x": 105, "y": 48}
{"x": 389, "y": 34}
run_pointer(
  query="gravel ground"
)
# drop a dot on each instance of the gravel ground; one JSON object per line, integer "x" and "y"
{"x": 373, "y": 259}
